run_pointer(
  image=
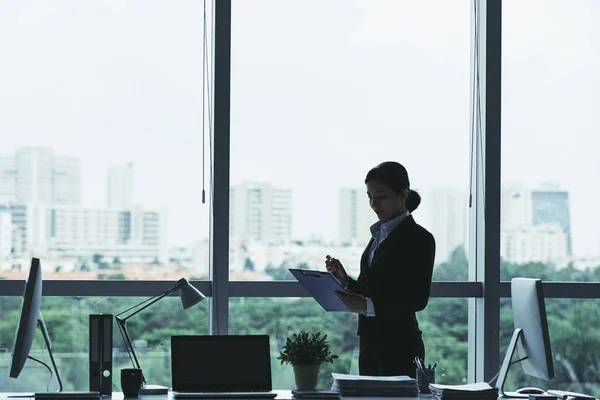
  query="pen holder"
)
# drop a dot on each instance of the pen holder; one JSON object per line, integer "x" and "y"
{"x": 424, "y": 378}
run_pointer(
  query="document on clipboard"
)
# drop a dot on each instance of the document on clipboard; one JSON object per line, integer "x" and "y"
{"x": 322, "y": 286}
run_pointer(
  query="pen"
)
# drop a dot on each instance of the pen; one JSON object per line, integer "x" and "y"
{"x": 418, "y": 362}
{"x": 434, "y": 364}
{"x": 429, "y": 366}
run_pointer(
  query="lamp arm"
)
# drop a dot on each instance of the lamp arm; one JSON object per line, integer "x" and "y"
{"x": 122, "y": 324}
{"x": 143, "y": 302}
{"x": 154, "y": 300}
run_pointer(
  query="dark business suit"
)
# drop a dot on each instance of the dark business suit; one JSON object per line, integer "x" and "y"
{"x": 398, "y": 282}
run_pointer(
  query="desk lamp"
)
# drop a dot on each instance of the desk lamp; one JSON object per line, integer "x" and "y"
{"x": 189, "y": 295}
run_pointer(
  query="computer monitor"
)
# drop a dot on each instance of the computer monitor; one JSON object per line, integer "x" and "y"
{"x": 530, "y": 336}
{"x": 29, "y": 321}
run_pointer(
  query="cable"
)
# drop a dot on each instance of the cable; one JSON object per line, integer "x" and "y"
{"x": 207, "y": 85}
{"x": 210, "y": 85}
{"x": 478, "y": 83}
{"x": 476, "y": 147}
{"x": 47, "y": 367}
{"x": 204, "y": 43}
{"x": 473, "y": 108}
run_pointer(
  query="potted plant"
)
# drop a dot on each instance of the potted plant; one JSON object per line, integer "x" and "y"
{"x": 306, "y": 352}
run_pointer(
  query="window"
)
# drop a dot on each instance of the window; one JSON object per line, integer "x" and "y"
{"x": 67, "y": 321}
{"x": 102, "y": 155}
{"x": 326, "y": 98}
{"x": 444, "y": 326}
{"x": 549, "y": 97}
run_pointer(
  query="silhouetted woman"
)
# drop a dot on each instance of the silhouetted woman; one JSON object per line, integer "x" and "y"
{"x": 395, "y": 277}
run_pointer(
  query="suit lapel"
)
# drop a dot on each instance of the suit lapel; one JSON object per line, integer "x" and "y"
{"x": 393, "y": 239}
{"x": 364, "y": 259}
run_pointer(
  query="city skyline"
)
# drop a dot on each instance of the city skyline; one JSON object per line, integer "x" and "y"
{"x": 117, "y": 99}
{"x": 536, "y": 223}
{"x": 264, "y": 212}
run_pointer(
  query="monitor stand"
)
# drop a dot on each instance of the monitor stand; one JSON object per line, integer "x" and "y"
{"x": 517, "y": 335}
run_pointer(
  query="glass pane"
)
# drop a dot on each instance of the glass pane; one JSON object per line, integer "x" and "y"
{"x": 573, "y": 325}
{"x": 341, "y": 87}
{"x": 443, "y": 322}
{"x": 101, "y": 167}
{"x": 67, "y": 321}
{"x": 549, "y": 138}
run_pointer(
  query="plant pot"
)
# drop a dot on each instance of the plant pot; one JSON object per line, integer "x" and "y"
{"x": 306, "y": 376}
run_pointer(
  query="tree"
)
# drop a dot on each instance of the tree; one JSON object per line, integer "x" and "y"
{"x": 280, "y": 273}
{"x": 248, "y": 264}
{"x": 459, "y": 255}
{"x": 97, "y": 258}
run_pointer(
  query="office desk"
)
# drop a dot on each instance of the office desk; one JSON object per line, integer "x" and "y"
{"x": 281, "y": 395}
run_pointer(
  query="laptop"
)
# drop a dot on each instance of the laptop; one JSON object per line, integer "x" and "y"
{"x": 221, "y": 366}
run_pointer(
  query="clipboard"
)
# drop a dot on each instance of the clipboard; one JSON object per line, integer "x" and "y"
{"x": 322, "y": 286}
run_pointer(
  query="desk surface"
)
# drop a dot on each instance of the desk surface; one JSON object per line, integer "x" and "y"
{"x": 281, "y": 395}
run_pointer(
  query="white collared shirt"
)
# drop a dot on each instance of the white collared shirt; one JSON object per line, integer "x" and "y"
{"x": 380, "y": 231}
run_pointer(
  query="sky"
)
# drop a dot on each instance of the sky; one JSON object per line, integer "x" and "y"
{"x": 322, "y": 90}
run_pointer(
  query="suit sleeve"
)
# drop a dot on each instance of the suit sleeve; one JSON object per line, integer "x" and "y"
{"x": 406, "y": 290}
{"x": 355, "y": 286}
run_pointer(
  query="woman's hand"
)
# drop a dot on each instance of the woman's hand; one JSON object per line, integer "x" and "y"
{"x": 355, "y": 302}
{"x": 337, "y": 269}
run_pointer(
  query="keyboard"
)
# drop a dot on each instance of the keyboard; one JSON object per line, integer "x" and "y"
{"x": 224, "y": 395}
{"x": 67, "y": 395}
{"x": 59, "y": 396}
{"x": 564, "y": 395}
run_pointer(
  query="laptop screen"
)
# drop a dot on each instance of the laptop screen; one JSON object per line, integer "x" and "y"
{"x": 221, "y": 363}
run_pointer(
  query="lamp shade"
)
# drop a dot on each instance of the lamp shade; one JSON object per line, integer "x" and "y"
{"x": 190, "y": 296}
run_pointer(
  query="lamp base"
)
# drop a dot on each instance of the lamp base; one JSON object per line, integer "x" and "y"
{"x": 154, "y": 390}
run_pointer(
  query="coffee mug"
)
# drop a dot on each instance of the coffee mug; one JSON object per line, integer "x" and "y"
{"x": 131, "y": 382}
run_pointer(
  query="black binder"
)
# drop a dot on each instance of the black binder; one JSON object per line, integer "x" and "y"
{"x": 100, "y": 353}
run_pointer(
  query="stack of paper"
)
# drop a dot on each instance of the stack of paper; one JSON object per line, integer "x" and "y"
{"x": 473, "y": 391}
{"x": 384, "y": 386}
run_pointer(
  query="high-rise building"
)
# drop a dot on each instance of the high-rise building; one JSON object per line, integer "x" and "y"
{"x": 28, "y": 228}
{"x": 6, "y": 243}
{"x": 8, "y": 183}
{"x": 36, "y": 175}
{"x": 67, "y": 181}
{"x": 551, "y": 205}
{"x": 515, "y": 207}
{"x": 444, "y": 211}
{"x": 119, "y": 186}
{"x": 260, "y": 212}
{"x": 355, "y": 216}
{"x": 545, "y": 243}
{"x": 126, "y": 233}
{"x": 535, "y": 224}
